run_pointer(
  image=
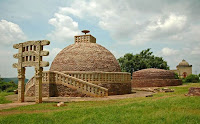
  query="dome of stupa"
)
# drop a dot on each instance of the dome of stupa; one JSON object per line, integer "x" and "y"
{"x": 85, "y": 55}
{"x": 153, "y": 73}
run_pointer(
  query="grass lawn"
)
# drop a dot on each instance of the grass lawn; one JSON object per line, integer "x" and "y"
{"x": 3, "y": 100}
{"x": 162, "y": 108}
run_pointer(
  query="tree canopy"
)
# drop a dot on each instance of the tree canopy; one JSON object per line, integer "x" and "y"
{"x": 143, "y": 60}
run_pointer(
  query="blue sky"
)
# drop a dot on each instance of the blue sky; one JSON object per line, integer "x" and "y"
{"x": 170, "y": 28}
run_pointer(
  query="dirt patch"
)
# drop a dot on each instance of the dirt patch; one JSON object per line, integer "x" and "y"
{"x": 13, "y": 105}
{"x": 76, "y": 99}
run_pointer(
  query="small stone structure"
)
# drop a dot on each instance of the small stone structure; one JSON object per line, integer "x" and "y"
{"x": 84, "y": 68}
{"x": 154, "y": 78}
{"x": 194, "y": 91}
{"x": 183, "y": 69}
{"x": 30, "y": 54}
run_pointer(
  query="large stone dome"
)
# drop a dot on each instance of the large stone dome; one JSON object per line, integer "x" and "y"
{"x": 85, "y": 57}
{"x": 153, "y": 73}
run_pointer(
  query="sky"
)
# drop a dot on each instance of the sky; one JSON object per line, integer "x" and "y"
{"x": 169, "y": 27}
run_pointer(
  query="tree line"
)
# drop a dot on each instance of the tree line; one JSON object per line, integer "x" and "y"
{"x": 145, "y": 59}
{"x": 7, "y": 86}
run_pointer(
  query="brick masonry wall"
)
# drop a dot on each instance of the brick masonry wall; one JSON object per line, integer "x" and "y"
{"x": 153, "y": 74}
{"x": 54, "y": 90}
{"x": 155, "y": 82}
{"x": 117, "y": 88}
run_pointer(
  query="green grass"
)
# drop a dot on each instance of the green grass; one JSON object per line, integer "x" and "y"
{"x": 162, "y": 108}
{"x": 3, "y": 100}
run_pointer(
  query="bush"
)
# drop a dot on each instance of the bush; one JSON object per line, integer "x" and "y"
{"x": 176, "y": 76}
{"x": 192, "y": 79}
{"x": 8, "y": 86}
{"x": 10, "y": 89}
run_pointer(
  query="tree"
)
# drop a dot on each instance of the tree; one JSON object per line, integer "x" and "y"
{"x": 143, "y": 60}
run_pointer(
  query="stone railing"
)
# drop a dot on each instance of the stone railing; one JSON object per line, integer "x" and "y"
{"x": 101, "y": 77}
{"x": 71, "y": 82}
{"x": 29, "y": 84}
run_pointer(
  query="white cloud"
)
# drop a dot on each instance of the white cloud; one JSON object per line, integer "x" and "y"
{"x": 65, "y": 28}
{"x": 174, "y": 25}
{"x": 176, "y": 22}
{"x": 55, "y": 51}
{"x": 52, "y": 53}
{"x": 196, "y": 50}
{"x": 10, "y": 33}
{"x": 161, "y": 28}
{"x": 168, "y": 51}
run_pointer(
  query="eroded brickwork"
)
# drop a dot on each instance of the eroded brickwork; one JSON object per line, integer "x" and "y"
{"x": 117, "y": 88}
{"x": 156, "y": 82}
{"x": 153, "y": 73}
{"x": 194, "y": 91}
{"x": 85, "y": 57}
{"x": 154, "y": 78}
{"x": 55, "y": 90}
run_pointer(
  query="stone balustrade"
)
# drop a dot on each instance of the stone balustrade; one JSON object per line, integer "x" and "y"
{"x": 89, "y": 83}
{"x": 71, "y": 82}
{"x": 101, "y": 77}
{"x": 29, "y": 84}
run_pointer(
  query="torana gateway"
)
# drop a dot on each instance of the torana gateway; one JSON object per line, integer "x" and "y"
{"x": 84, "y": 68}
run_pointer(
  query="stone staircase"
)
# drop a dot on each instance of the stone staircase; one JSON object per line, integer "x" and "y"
{"x": 80, "y": 85}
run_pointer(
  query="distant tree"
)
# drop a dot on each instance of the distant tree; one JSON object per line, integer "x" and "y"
{"x": 8, "y": 86}
{"x": 192, "y": 78}
{"x": 143, "y": 60}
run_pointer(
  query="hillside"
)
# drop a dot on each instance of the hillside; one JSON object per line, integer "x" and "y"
{"x": 15, "y": 80}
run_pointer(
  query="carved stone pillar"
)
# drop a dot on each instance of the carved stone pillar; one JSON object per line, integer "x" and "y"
{"x": 38, "y": 85}
{"x": 21, "y": 88}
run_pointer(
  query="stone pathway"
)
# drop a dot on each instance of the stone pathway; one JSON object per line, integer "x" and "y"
{"x": 30, "y": 100}
{"x": 76, "y": 99}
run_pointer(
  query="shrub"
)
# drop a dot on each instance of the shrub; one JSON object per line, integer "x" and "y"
{"x": 176, "y": 76}
{"x": 8, "y": 86}
{"x": 10, "y": 89}
{"x": 192, "y": 78}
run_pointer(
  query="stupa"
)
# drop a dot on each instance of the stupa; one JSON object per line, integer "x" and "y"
{"x": 153, "y": 77}
{"x": 84, "y": 68}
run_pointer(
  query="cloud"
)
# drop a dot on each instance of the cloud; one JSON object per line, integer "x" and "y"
{"x": 168, "y": 52}
{"x": 136, "y": 22}
{"x": 55, "y": 51}
{"x": 10, "y": 33}
{"x": 196, "y": 50}
{"x": 52, "y": 53}
{"x": 161, "y": 28}
{"x": 172, "y": 25}
{"x": 65, "y": 28}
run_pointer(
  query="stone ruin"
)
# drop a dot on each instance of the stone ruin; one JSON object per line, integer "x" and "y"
{"x": 84, "y": 68}
{"x": 194, "y": 91}
{"x": 154, "y": 78}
